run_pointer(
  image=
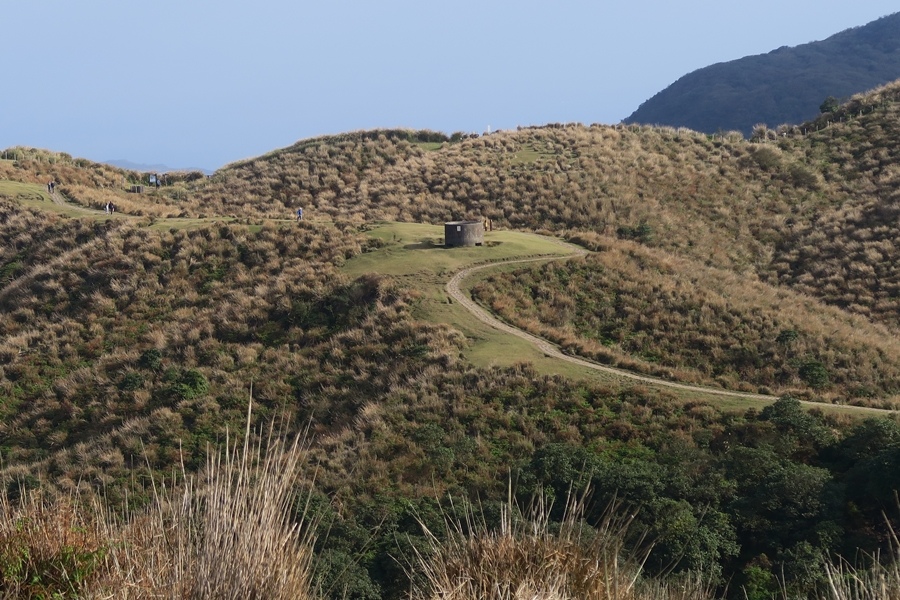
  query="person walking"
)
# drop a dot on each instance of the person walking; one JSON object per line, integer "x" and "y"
{"x": 299, "y": 214}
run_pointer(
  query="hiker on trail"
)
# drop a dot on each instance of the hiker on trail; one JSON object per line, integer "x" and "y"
{"x": 49, "y": 187}
{"x": 108, "y": 206}
{"x": 299, "y": 214}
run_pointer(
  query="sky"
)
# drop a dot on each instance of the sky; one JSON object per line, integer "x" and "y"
{"x": 202, "y": 83}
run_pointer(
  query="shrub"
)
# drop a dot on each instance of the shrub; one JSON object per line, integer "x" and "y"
{"x": 48, "y": 549}
{"x": 830, "y": 105}
{"x": 528, "y": 556}
{"x": 151, "y": 359}
{"x": 189, "y": 384}
{"x": 814, "y": 374}
{"x": 131, "y": 381}
{"x": 766, "y": 158}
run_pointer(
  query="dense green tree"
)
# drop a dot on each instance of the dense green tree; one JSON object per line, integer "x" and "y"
{"x": 814, "y": 373}
{"x": 830, "y": 105}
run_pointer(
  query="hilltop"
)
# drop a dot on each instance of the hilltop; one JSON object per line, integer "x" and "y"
{"x": 130, "y": 342}
{"x": 787, "y": 85}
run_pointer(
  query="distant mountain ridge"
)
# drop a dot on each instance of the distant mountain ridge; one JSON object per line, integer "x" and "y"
{"x": 787, "y": 85}
{"x": 156, "y": 168}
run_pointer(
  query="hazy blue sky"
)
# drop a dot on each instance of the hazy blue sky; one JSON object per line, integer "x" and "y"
{"x": 200, "y": 83}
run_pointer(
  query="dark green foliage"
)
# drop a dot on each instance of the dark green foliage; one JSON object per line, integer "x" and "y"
{"x": 786, "y": 336}
{"x": 642, "y": 232}
{"x": 342, "y": 576}
{"x": 150, "y": 359}
{"x": 12, "y": 268}
{"x": 131, "y": 381}
{"x": 803, "y": 428}
{"x": 814, "y": 373}
{"x": 802, "y": 177}
{"x": 870, "y": 458}
{"x": 345, "y": 306}
{"x": 18, "y": 487}
{"x": 830, "y": 105}
{"x": 758, "y": 582}
{"x": 185, "y": 384}
{"x": 784, "y": 86}
{"x": 761, "y": 501}
{"x": 60, "y": 576}
{"x": 869, "y": 438}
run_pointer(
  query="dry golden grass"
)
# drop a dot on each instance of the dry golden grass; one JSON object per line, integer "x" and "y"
{"x": 648, "y": 310}
{"x": 526, "y": 557}
{"x": 113, "y": 333}
{"x": 49, "y": 549}
{"x": 238, "y": 531}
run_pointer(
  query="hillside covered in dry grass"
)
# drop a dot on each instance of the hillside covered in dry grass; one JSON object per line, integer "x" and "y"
{"x": 129, "y": 345}
{"x": 812, "y": 207}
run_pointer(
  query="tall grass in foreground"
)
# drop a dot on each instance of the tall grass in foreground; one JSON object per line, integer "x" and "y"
{"x": 879, "y": 581}
{"x": 227, "y": 534}
{"x": 231, "y": 536}
{"x": 534, "y": 559}
{"x": 49, "y": 549}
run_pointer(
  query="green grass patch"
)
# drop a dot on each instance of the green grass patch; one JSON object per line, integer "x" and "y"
{"x": 188, "y": 223}
{"x": 414, "y": 255}
{"x": 35, "y": 196}
{"x": 528, "y": 155}
{"x": 416, "y": 249}
{"x": 430, "y": 146}
{"x": 23, "y": 192}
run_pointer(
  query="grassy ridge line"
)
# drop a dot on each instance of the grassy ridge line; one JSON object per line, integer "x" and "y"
{"x": 35, "y": 196}
{"x": 453, "y": 288}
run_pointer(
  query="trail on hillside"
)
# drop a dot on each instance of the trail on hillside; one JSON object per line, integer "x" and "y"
{"x": 61, "y": 200}
{"x": 552, "y": 350}
{"x": 545, "y": 346}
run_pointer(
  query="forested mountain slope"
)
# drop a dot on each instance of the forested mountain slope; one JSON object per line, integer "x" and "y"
{"x": 787, "y": 85}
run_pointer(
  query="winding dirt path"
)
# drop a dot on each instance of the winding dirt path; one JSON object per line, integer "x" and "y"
{"x": 552, "y": 350}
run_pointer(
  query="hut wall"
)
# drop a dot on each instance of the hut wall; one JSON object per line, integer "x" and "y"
{"x": 463, "y": 233}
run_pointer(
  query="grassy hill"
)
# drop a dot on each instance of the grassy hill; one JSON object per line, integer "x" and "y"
{"x": 656, "y": 314}
{"x": 787, "y": 85}
{"x": 129, "y": 343}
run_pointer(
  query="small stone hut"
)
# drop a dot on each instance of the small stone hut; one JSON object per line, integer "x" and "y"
{"x": 463, "y": 233}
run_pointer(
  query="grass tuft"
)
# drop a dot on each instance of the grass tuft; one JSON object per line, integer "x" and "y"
{"x": 880, "y": 580}
{"x": 228, "y": 533}
{"x": 528, "y": 557}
